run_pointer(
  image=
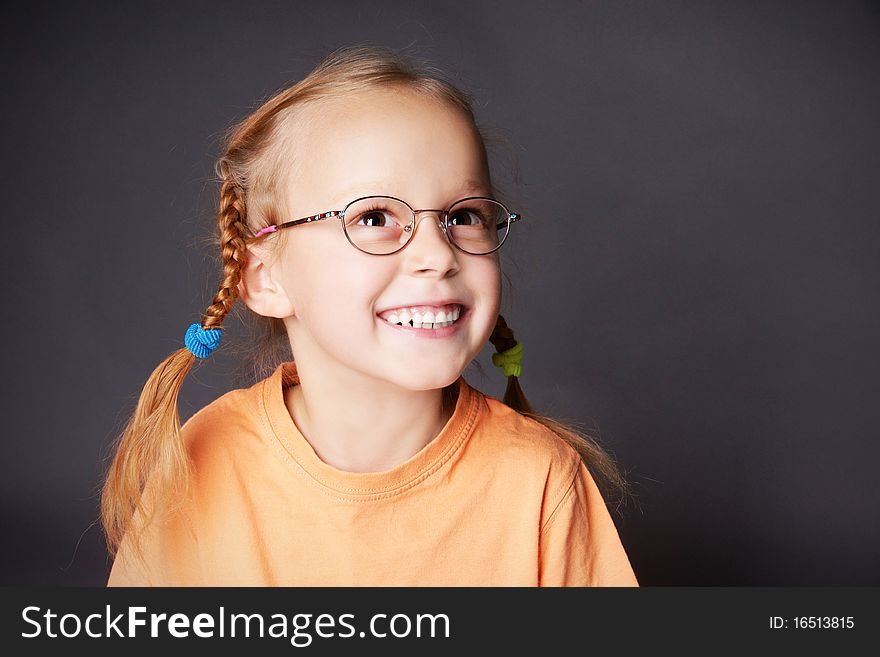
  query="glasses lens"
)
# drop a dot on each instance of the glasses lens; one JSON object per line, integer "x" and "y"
{"x": 376, "y": 224}
{"x": 478, "y": 226}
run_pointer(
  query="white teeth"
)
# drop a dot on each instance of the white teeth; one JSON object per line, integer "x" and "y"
{"x": 427, "y": 320}
{"x": 424, "y": 325}
{"x": 447, "y": 310}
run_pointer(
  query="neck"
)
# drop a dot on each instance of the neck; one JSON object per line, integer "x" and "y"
{"x": 380, "y": 428}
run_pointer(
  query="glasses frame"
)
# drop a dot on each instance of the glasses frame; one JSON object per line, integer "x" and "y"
{"x": 512, "y": 217}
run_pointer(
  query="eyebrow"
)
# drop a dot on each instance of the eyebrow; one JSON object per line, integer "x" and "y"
{"x": 470, "y": 187}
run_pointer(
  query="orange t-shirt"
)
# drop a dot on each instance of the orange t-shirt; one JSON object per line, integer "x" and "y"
{"x": 495, "y": 499}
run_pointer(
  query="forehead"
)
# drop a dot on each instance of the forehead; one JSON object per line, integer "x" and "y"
{"x": 386, "y": 141}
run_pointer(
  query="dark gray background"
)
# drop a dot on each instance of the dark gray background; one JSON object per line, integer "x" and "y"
{"x": 697, "y": 276}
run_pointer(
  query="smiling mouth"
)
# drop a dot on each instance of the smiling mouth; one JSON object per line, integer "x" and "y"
{"x": 410, "y": 321}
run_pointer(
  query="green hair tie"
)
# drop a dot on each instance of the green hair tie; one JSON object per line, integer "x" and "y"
{"x": 510, "y": 360}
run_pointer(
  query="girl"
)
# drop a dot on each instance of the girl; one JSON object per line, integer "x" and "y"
{"x": 357, "y": 215}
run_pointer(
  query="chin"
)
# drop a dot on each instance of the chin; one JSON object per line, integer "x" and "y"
{"x": 439, "y": 379}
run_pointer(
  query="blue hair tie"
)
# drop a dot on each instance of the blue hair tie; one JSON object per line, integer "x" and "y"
{"x": 202, "y": 342}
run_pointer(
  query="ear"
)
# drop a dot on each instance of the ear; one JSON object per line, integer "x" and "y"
{"x": 258, "y": 288}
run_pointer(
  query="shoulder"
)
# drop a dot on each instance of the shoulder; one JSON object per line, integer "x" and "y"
{"x": 532, "y": 461}
{"x": 225, "y": 423}
{"x": 524, "y": 444}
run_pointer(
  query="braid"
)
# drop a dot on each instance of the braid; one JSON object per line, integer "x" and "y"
{"x": 502, "y": 336}
{"x": 502, "y": 339}
{"x": 600, "y": 462}
{"x": 234, "y": 251}
{"x": 151, "y": 442}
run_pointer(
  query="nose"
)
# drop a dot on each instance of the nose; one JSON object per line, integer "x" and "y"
{"x": 433, "y": 250}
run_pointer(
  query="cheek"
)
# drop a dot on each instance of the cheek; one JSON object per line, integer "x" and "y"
{"x": 315, "y": 279}
{"x": 328, "y": 313}
{"x": 487, "y": 280}
{"x": 336, "y": 290}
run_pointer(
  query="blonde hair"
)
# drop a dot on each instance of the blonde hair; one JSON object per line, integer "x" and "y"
{"x": 150, "y": 448}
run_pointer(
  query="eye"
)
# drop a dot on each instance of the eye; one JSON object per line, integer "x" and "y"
{"x": 466, "y": 217}
{"x": 376, "y": 218}
{"x": 378, "y": 215}
{"x": 373, "y": 216}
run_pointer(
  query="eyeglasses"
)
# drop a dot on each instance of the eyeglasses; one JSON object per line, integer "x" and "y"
{"x": 382, "y": 225}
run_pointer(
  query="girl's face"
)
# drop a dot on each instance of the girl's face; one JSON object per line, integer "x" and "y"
{"x": 395, "y": 143}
